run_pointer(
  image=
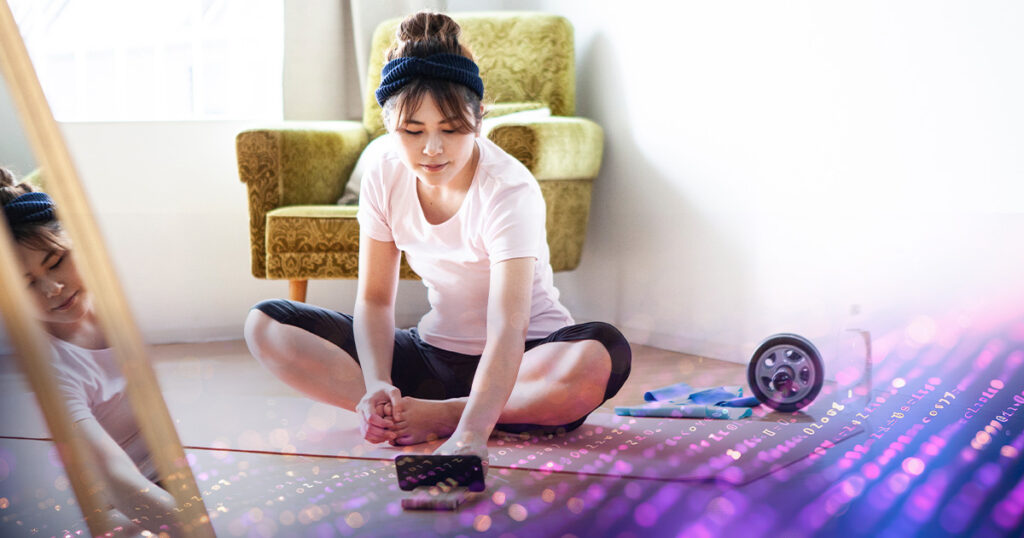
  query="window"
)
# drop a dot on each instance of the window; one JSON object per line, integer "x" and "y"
{"x": 119, "y": 60}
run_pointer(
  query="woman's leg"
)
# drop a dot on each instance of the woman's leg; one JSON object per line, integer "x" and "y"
{"x": 560, "y": 382}
{"x": 565, "y": 376}
{"x": 311, "y": 364}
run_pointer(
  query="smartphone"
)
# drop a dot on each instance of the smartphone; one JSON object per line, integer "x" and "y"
{"x": 443, "y": 471}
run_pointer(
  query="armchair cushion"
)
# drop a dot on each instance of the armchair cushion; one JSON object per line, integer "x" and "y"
{"x": 312, "y": 241}
{"x": 373, "y": 152}
{"x": 495, "y": 110}
{"x": 315, "y": 241}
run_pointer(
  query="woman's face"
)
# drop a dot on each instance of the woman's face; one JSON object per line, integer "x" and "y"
{"x": 54, "y": 284}
{"x": 431, "y": 148}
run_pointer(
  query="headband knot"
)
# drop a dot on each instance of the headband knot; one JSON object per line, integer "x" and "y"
{"x": 29, "y": 208}
{"x": 452, "y": 67}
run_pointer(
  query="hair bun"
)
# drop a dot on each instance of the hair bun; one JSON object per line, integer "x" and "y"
{"x": 10, "y": 188}
{"x": 427, "y": 33}
{"x": 7, "y": 178}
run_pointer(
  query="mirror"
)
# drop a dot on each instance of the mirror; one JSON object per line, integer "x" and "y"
{"x": 105, "y": 503}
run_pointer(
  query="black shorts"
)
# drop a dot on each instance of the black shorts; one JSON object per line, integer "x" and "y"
{"x": 421, "y": 370}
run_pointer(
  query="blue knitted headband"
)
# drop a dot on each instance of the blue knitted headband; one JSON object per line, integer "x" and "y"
{"x": 29, "y": 208}
{"x": 400, "y": 71}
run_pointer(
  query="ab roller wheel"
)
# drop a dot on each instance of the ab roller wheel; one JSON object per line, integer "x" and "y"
{"x": 786, "y": 372}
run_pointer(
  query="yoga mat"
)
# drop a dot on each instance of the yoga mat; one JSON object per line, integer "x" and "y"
{"x": 672, "y": 449}
{"x": 736, "y": 452}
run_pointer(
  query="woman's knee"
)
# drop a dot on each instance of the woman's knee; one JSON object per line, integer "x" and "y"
{"x": 262, "y": 336}
{"x": 616, "y": 358}
{"x": 617, "y": 347}
{"x": 592, "y": 358}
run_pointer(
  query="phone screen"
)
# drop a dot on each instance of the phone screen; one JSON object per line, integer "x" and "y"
{"x": 444, "y": 471}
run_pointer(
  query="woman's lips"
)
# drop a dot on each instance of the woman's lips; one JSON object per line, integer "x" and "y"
{"x": 67, "y": 304}
{"x": 434, "y": 167}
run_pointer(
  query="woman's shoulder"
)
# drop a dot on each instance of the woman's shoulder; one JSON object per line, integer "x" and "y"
{"x": 73, "y": 357}
{"x": 502, "y": 171}
{"x": 384, "y": 173}
{"x": 388, "y": 164}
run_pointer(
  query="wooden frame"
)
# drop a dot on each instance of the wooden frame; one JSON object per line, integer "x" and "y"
{"x": 30, "y": 341}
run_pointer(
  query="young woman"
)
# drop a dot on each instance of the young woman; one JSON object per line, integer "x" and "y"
{"x": 497, "y": 348}
{"x": 88, "y": 377}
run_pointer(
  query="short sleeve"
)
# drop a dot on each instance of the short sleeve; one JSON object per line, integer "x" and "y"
{"x": 372, "y": 213}
{"x": 73, "y": 393}
{"x": 516, "y": 227}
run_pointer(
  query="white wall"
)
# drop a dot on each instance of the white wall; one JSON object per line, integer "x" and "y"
{"x": 767, "y": 166}
{"x": 320, "y": 83}
{"x": 14, "y": 151}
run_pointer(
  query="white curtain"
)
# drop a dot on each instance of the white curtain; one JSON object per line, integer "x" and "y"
{"x": 326, "y": 50}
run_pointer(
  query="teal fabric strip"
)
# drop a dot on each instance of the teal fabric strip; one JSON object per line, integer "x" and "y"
{"x": 727, "y": 395}
{"x": 671, "y": 392}
{"x": 678, "y": 410}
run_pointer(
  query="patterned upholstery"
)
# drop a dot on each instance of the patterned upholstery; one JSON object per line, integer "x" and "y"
{"x": 294, "y": 173}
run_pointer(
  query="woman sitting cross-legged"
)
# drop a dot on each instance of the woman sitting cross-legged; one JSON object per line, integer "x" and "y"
{"x": 497, "y": 349}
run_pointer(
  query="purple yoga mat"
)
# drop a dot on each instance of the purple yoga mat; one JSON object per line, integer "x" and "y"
{"x": 672, "y": 449}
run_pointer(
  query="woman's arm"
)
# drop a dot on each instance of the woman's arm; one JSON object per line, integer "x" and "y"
{"x": 131, "y": 493}
{"x": 508, "y": 317}
{"x": 374, "y": 327}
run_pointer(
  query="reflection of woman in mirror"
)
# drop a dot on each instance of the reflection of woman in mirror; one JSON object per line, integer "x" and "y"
{"x": 88, "y": 377}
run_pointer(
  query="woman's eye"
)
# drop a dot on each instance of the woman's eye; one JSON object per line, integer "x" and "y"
{"x": 449, "y": 131}
{"x": 407, "y": 131}
{"x": 59, "y": 261}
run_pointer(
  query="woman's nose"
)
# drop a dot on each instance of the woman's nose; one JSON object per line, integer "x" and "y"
{"x": 51, "y": 288}
{"x": 433, "y": 145}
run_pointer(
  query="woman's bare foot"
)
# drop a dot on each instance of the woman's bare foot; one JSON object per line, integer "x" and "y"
{"x": 427, "y": 420}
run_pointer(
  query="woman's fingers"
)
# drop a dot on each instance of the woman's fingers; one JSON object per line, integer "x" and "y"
{"x": 396, "y": 404}
{"x": 380, "y": 422}
{"x": 375, "y": 424}
{"x": 401, "y": 434}
{"x": 377, "y": 429}
{"x": 376, "y": 434}
{"x": 378, "y": 412}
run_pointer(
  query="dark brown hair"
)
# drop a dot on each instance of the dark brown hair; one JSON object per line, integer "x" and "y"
{"x": 46, "y": 235}
{"x": 424, "y": 34}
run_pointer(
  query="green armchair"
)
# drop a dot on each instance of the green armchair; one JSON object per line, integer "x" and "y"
{"x": 295, "y": 174}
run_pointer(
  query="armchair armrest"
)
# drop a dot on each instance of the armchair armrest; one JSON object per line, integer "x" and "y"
{"x": 553, "y": 148}
{"x": 305, "y": 163}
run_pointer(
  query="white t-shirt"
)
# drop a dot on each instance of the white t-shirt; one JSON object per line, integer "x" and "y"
{"x": 92, "y": 384}
{"x": 502, "y": 217}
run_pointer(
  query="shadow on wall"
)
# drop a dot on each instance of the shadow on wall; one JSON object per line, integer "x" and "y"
{"x": 652, "y": 258}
